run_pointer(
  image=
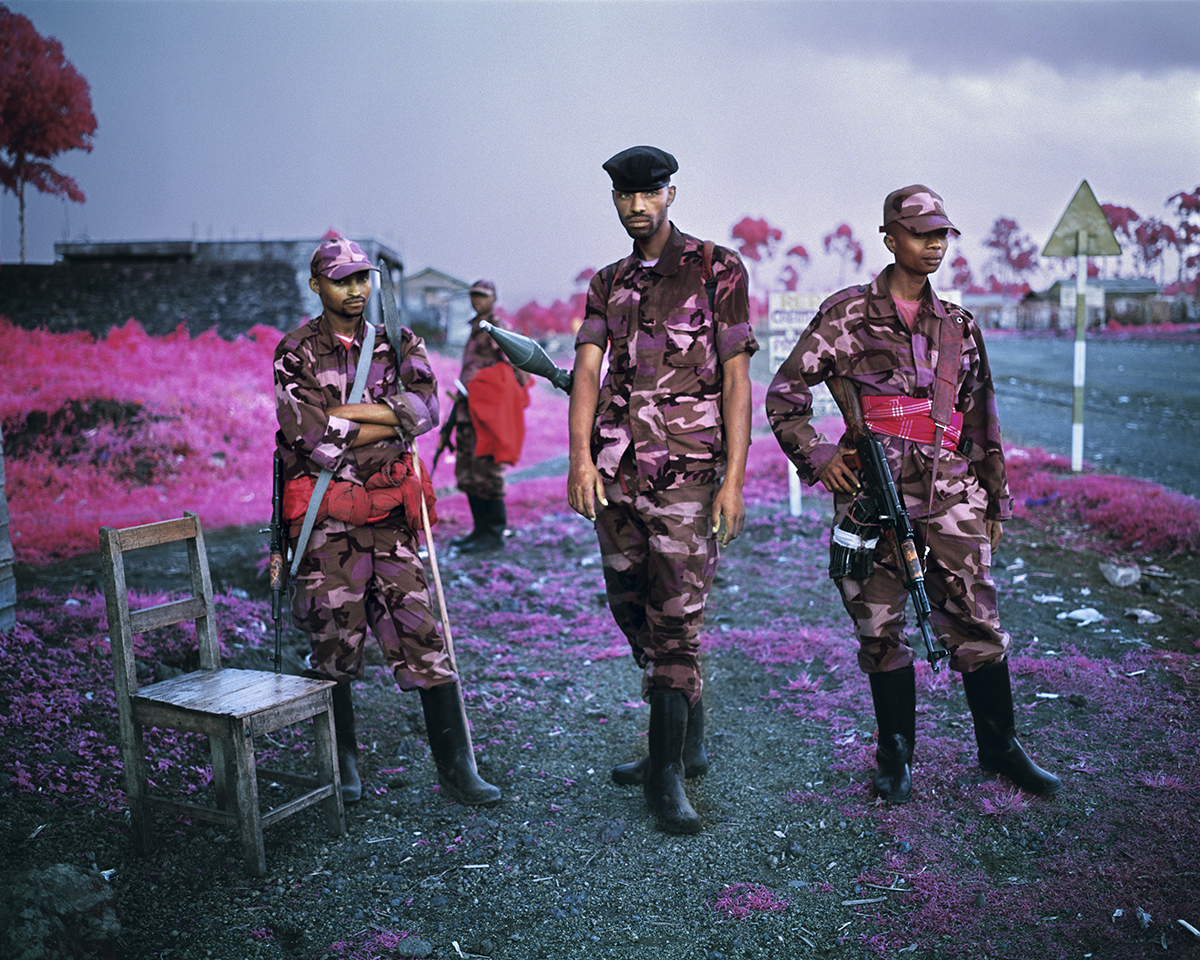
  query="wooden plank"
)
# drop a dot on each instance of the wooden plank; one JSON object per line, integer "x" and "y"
{"x": 237, "y": 693}
{"x": 153, "y": 534}
{"x": 166, "y": 614}
{"x": 295, "y": 806}
{"x": 196, "y": 810}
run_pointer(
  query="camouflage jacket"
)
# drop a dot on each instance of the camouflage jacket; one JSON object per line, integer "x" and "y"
{"x": 315, "y": 371}
{"x": 482, "y": 351}
{"x": 662, "y": 391}
{"x": 857, "y": 334}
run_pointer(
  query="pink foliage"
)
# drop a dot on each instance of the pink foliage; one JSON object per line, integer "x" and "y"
{"x": 741, "y": 901}
{"x": 1133, "y": 514}
{"x": 757, "y": 236}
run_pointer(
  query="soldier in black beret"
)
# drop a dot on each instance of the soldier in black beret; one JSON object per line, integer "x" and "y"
{"x": 658, "y": 455}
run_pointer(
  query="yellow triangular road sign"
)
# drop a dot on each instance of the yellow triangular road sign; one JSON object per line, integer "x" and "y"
{"x": 1083, "y": 213}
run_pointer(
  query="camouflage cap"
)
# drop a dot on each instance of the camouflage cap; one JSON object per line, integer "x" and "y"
{"x": 916, "y": 208}
{"x": 338, "y": 257}
{"x": 486, "y": 287}
{"x": 640, "y": 169}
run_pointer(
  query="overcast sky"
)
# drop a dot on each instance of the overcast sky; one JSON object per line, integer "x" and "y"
{"x": 469, "y": 136}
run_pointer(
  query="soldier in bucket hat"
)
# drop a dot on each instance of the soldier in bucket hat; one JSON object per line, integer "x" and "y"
{"x": 360, "y": 567}
{"x": 887, "y": 338}
{"x": 658, "y": 455}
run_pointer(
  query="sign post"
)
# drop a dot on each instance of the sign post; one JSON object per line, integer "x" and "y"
{"x": 788, "y": 315}
{"x": 1083, "y": 231}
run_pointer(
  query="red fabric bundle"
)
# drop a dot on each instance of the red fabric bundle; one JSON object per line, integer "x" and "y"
{"x": 393, "y": 486}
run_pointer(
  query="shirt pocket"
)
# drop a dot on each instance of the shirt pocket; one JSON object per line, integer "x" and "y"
{"x": 691, "y": 416}
{"x": 689, "y": 339}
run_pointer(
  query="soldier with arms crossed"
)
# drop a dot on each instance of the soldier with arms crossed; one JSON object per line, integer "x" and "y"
{"x": 660, "y": 447}
{"x": 360, "y": 566}
{"x": 887, "y": 339}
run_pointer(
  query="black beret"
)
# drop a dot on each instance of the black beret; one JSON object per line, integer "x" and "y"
{"x": 639, "y": 169}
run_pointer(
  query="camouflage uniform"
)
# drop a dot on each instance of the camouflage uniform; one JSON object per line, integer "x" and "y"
{"x": 858, "y": 335}
{"x": 354, "y": 577}
{"x": 659, "y": 445}
{"x": 480, "y": 477}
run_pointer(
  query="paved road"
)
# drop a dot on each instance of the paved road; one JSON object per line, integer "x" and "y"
{"x": 1141, "y": 408}
{"x": 1141, "y": 403}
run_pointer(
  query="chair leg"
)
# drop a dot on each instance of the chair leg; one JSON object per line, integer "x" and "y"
{"x": 327, "y": 771}
{"x": 141, "y": 824}
{"x": 249, "y": 817}
{"x": 223, "y": 774}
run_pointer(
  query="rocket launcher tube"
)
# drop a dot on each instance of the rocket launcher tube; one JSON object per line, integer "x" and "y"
{"x": 528, "y": 355}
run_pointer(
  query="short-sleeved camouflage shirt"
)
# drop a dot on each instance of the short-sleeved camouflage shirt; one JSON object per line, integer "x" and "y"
{"x": 857, "y": 334}
{"x": 314, "y": 370}
{"x": 662, "y": 391}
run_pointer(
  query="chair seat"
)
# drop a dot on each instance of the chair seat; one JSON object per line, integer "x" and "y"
{"x": 233, "y": 693}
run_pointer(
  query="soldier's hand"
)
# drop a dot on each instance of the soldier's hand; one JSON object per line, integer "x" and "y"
{"x": 837, "y": 476}
{"x": 995, "y": 532}
{"x": 728, "y": 503}
{"x": 585, "y": 487}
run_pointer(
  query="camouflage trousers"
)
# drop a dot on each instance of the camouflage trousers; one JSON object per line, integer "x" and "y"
{"x": 480, "y": 477}
{"x": 355, "y": 577}
{"x": 958, "y": 579}
{"x": 659, "y": 560}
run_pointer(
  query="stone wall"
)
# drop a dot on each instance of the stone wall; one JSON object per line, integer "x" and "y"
{"x": 232, "y": 297}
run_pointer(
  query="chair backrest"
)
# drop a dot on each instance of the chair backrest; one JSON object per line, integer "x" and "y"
{"x": 124, "y": 624}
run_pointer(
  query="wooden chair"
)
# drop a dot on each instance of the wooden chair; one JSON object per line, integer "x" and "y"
{"x": 230, "y": 707}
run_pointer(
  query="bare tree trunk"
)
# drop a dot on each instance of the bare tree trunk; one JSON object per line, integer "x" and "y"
{"x": 21, "y": 202}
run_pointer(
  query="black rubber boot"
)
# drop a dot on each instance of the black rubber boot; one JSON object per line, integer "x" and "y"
{"x": 451, "y": 747}
{"x": 347, "y": 743}
{"x": 477, "y": 523}
{"x": 695, "y": 757}
{"x": 989, "y": 695}
{"x": 895, "y": 697}
{"x": 663, "y": 786}
{"x": 489, "y": 529}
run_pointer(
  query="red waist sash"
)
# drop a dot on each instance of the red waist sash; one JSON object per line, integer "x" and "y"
{"x": 909, "y": 419}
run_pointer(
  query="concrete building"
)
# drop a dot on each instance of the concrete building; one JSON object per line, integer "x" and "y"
{"x": 230, "y": 285}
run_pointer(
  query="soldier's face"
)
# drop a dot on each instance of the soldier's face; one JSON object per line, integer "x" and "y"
{"x": 482, "y": 303}
{"x": 643, "y": 214}
{"x": 345, "y": 298}
{"x": 918, "y": 253}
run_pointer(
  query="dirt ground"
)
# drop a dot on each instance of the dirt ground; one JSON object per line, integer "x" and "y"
{"x": 796, "y": 858}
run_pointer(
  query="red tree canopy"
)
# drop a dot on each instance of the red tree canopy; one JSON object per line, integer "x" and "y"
{"x": 45, "y": 109}
{"x": 757, "y": 236}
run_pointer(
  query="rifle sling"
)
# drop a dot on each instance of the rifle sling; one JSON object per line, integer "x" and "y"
{"x": 945, "y": 385}
{"x": 318, "y": 494}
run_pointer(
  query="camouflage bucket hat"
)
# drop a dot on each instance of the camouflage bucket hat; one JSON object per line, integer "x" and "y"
{"x": 338, "y": 257}
{"x": 916, "y": 208}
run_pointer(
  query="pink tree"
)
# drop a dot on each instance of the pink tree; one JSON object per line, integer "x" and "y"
{"x": 1122, "y": 220}
{"x": 759, "y": 242}
{"x": 962, "y": 279}
{"x": 45, "y": 109}
{"x": 1014, "y": 253}
{"x": 1187, "y": 233}
{"x": 1153, "y": 237}
{"x": 841, "y": 243}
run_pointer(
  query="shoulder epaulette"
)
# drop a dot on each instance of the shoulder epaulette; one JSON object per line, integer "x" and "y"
{"x": 841, "y": 296}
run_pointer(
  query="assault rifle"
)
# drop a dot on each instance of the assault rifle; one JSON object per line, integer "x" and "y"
{"x": 444, "y": 442}
{"x": 278, "y": 565}
{"x": 529, "y": 355}
{"x": 883, "y": 507}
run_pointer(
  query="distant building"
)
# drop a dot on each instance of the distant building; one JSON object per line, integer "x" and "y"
{"x": 440, "y": 302}
{"x": 993, "y": 310}
{"x": 231, "y": 285}
{"x": 1124, "y": 300}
